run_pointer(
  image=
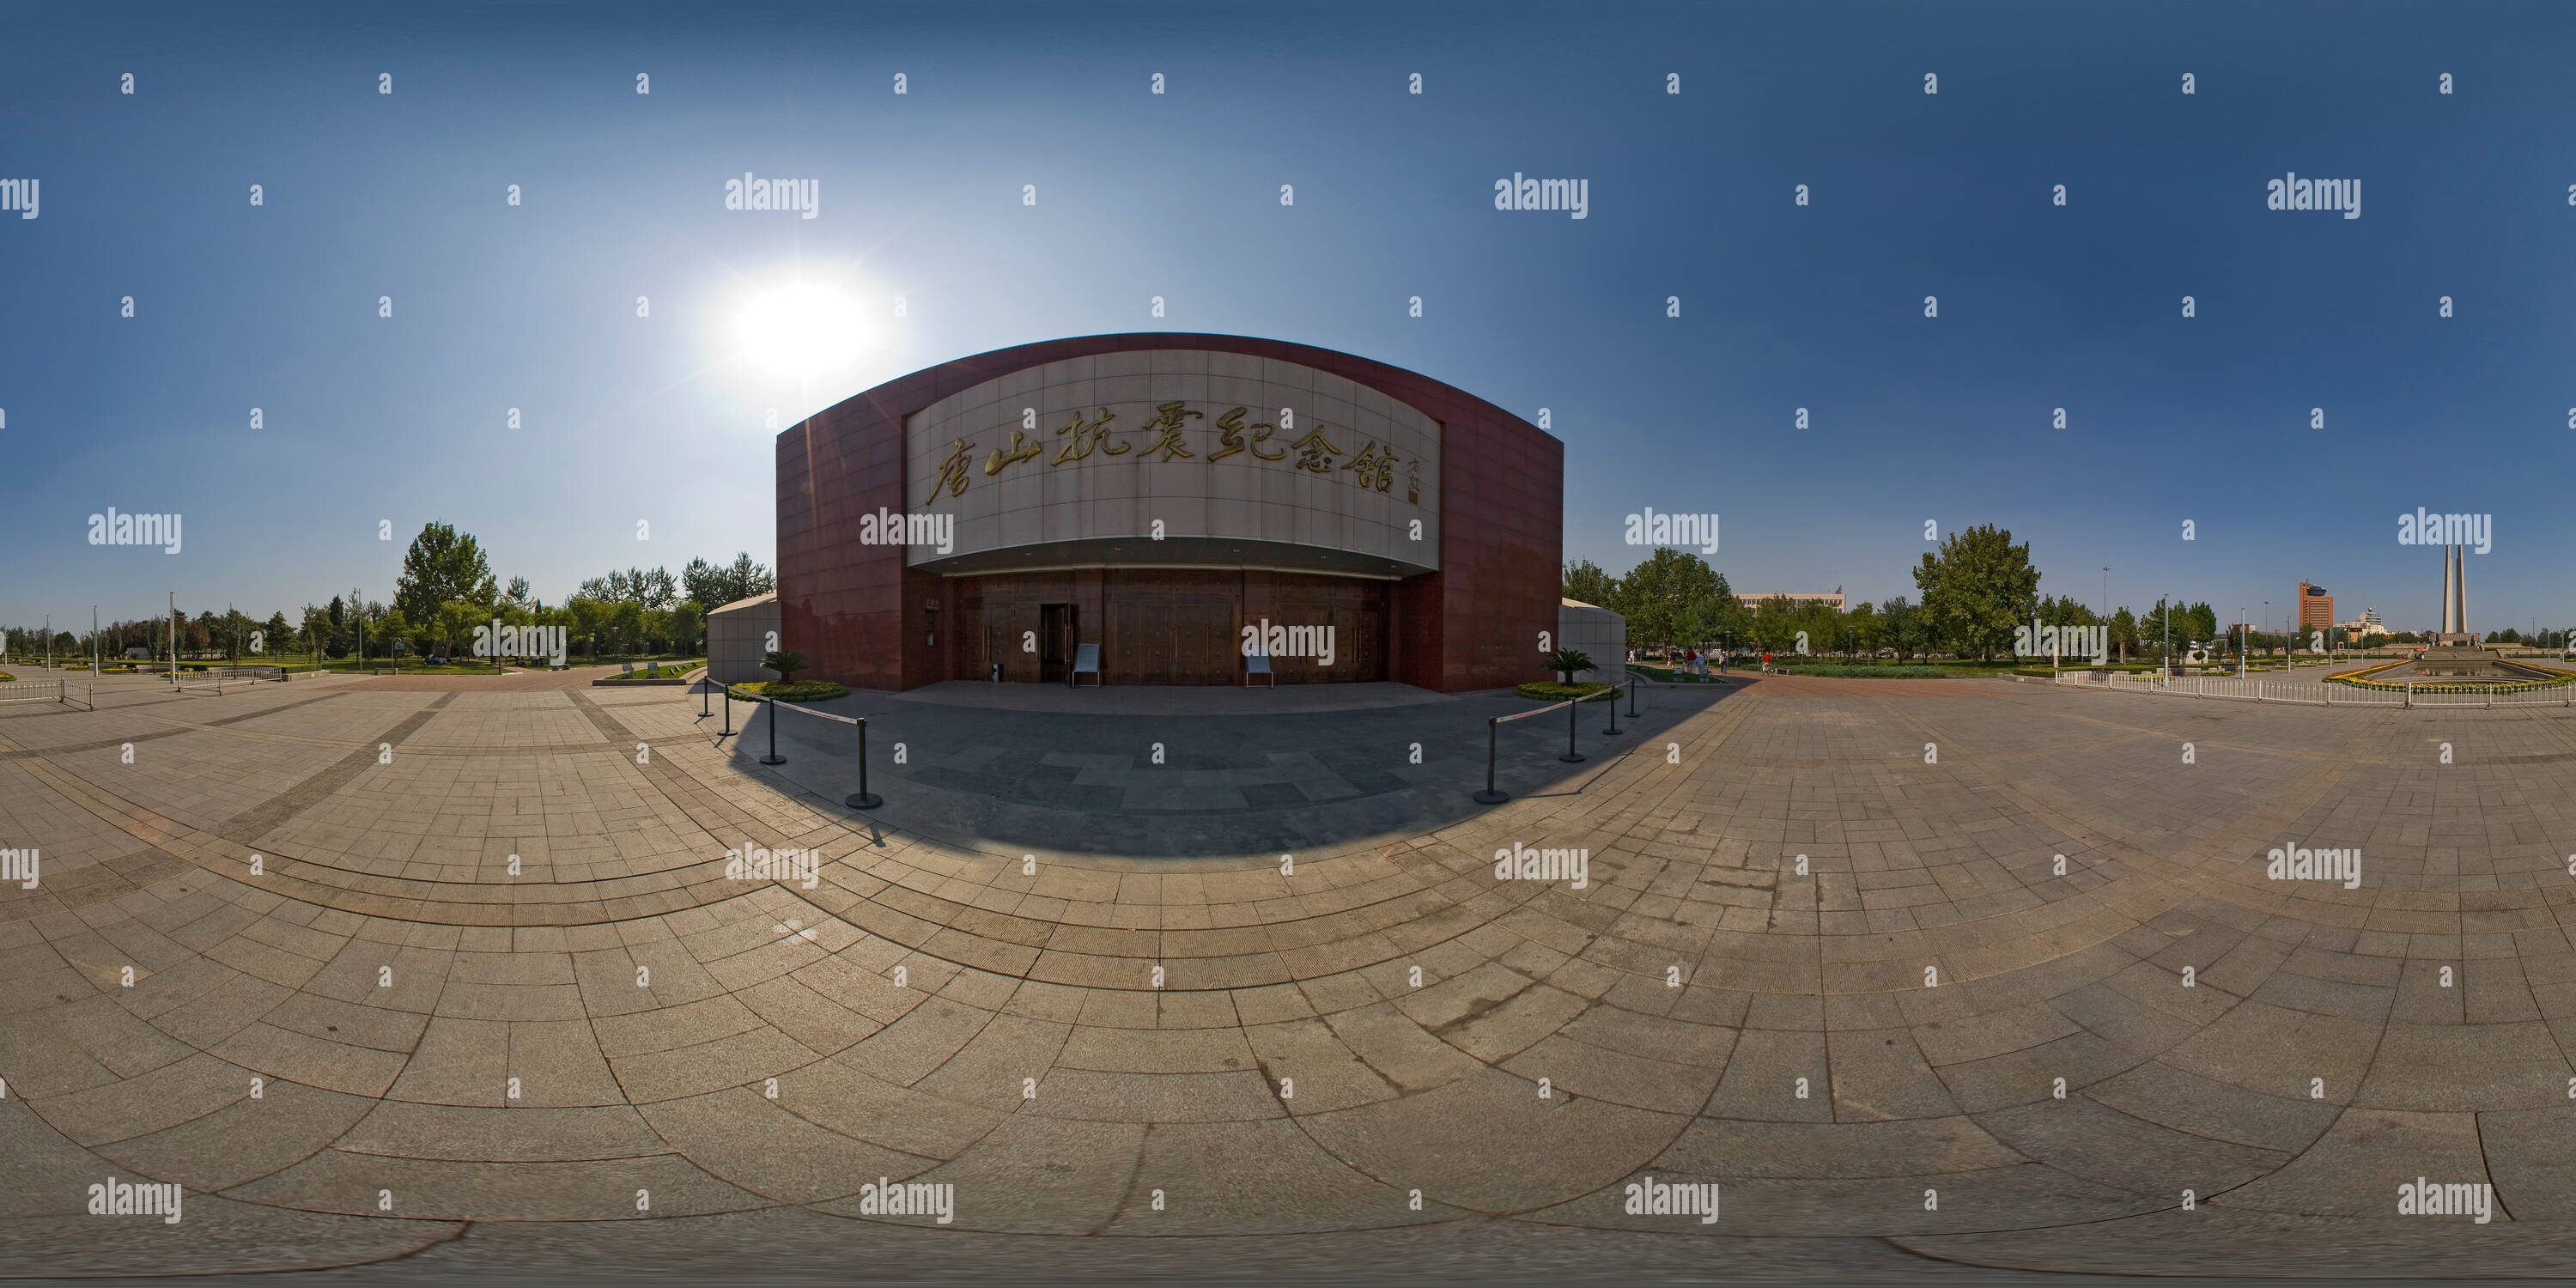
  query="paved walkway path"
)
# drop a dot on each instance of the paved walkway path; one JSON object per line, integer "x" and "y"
{"x": 1823, "y": 955}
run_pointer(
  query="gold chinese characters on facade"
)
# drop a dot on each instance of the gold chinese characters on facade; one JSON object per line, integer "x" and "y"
{"x": 1372, "y": 469}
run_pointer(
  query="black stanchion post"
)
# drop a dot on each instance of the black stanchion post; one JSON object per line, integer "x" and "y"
{"x": 1489, "y": 796}
{"x": 863, "y": 798}
{"x": 1571, "y": 755}
{"x": 773, "y": 758}
{"x": 706, "y": 699}
{"x": 1632, "y": 697}
{"x": 728, "y": 729}
{"x": 1613, "y": 694}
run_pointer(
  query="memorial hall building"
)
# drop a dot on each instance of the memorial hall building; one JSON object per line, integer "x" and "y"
{"x": 1155, "y": 508}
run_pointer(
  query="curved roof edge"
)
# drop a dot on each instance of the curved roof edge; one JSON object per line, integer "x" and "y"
{"x": 979, "y": 367}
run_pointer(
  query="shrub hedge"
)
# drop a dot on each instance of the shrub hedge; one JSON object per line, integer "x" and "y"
{"x": 799, "y": 691}
{"x": 1553, "y": 691}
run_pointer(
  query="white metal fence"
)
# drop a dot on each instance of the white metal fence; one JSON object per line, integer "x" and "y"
{"x": 2255, "y": 688}
{"x": 45, "y": 691}
{"x": 215, "y": 679}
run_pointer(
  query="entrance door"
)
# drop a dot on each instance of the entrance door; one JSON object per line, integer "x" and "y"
{"x": 1055, "y": 642}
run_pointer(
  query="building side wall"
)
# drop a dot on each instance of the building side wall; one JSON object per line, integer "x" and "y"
{"x": 737, "y": 640}
{"x": 1599, "y": 632}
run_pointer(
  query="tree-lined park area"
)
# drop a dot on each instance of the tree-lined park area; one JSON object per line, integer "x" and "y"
{"x": 1972, "y": 594}
{"x": 445, "y": 590}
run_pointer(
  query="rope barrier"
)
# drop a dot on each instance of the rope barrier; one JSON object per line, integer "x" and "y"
{"x": 860, "y": 799}
{"x": 1493, "y": 724}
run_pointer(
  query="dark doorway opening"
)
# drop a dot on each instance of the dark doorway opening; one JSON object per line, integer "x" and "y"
{"x": 1055, "y": 642}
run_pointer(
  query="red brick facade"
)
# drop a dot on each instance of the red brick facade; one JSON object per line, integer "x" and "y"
{"x": 863, "y": 618}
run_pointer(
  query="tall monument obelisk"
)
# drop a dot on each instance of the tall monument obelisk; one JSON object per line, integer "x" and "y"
{"x": 2460, "y": 590}
{"x": 2450, "y": 594}
{"x": 2454, "y": 649}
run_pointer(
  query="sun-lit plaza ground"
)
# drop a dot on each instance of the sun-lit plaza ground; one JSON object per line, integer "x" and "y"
{"x": 463, "y": 1072}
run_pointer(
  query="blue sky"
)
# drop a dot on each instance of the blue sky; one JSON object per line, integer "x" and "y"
{"x": 659, "y": 419}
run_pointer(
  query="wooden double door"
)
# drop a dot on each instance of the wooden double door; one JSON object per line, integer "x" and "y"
{"x": 1166, "y": 625}
{"x": 1173, "y": 627}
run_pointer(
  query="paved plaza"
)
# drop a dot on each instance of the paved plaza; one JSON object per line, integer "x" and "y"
{"x": 508, "y": 1014}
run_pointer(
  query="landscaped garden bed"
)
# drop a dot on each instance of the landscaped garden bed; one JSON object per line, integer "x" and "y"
{"x": 1554, "y": 691}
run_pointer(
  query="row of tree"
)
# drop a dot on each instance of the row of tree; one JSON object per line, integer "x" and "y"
{"x": 445, "y": 590}
{"x": 1975, "y": 590}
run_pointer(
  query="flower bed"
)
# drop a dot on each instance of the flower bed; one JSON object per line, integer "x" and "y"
{"x": 2363, "y": 680}
{"x": 798, "y": 691}
{"x": 1552, "y": 691}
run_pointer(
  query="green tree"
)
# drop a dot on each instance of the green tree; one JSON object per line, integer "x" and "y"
{"x": 317, "y": 631}
{"x": 1714, "y": 619}
{"x": 2204, "y": 623}
{"x": 1978, "y": 587}
{"x": 1666, "y": 594}
{"x": 2058, "y": 610}
{"x": 583, "y": 619}
{"x": 442, "y": 564}
{"x": 626, "y": 626}
{"x": 1824, "y": 627}
{"x": 384, "y": 629}
{"x": 716, "y": 585}
{"x": 643, "y": 587}
{"x": 1905, "y": 628}
{"x": 688, "y": 625}
{"x": 1775, "y": 624}
{"x": 2124, "y": 632}
{"x": 1586, "y": 583}
{"x": 1865, "y": 628}
{"x": 2163, "y": 629}
{"x": 456, "y": 622}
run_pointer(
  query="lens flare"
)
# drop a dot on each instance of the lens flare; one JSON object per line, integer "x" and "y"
{"x": 802, "y": 330}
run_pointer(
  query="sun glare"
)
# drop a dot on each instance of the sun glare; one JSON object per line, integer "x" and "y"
{"x": 802, "y": 330}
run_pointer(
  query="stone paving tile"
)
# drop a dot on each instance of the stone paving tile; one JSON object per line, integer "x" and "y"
{"x": 1290, "y": 1075}
{"x": 1034, "y": 1175}
{"x": 742, "y": 1136}
{"x": 1255, "y": 1177}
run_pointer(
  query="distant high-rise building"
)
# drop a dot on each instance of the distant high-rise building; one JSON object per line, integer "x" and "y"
{"x": 2316, "y": 609}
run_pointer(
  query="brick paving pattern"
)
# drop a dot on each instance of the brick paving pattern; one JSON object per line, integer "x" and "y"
{"x": 441, "y": 1044}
